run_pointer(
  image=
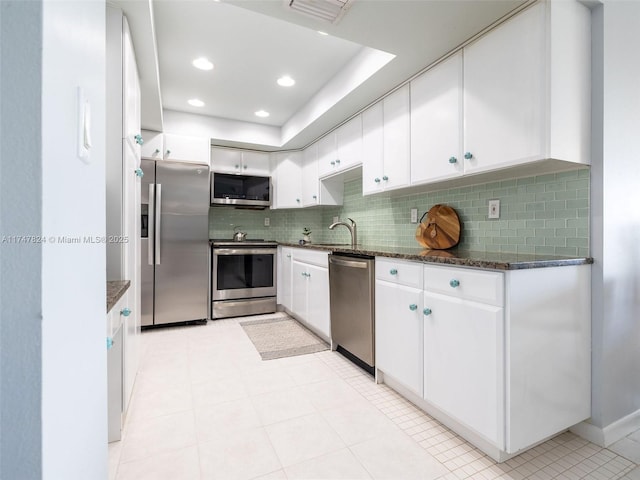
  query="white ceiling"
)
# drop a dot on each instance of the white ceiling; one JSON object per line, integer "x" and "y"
{"x": 253, "y": 42}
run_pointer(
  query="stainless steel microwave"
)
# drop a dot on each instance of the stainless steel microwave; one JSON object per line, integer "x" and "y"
{"x": 241, "y": 190}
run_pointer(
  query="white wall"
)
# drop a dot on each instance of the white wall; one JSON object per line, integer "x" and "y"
{"x": 20, "y": 263}
{"x": 74, "y": 387}
{"x": 615, "y": 222}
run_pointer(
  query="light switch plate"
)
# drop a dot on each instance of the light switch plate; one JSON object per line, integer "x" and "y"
{"x": 336, "y": 219}
{"x": 267, "y": 221}
{"x": 494, "y": 209}
{"x": 414, "y": 215}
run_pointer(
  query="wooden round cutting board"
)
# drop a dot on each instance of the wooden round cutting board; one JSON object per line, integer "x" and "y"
{"x": 440, "y": 229}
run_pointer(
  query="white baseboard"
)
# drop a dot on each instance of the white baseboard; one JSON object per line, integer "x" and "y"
{"x": 611, "y": 433}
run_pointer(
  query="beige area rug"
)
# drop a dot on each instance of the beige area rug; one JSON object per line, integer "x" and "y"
{"x": 282, "y": 337}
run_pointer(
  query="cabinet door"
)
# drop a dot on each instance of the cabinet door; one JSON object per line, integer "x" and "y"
{"x": 327, "y": 154}
{"x": 504, "y": 86}
{"x": 288, "y": 185}
{"x": 284, "y": 278}
{"x": 399, "y": 333}
{"x": 299, "y": 288}
{"x": 310, "y": 182}
{"x": 318, "y": 300}
{"x": 153, "y": 145}
{"x": 397, "y": 131}
{"x": 187, "y": 149}
{"x": 255, "y": 163}
{"x": 131, "y": 90}
{"x": 349, "y": 144}
{"x": 463, "y": 344}
{"x": 436, "y": 122}
{"x": 372, "y": 149}
{"x": 226, "y": 160}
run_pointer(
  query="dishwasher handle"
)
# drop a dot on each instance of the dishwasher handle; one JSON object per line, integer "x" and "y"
{"x": 352, "y": 263}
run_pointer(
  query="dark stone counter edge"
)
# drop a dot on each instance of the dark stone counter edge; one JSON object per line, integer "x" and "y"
{"x": 115, "y": 290}
{"x": 486, "y": 260}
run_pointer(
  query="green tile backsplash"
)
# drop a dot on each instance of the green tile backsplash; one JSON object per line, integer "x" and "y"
{"x": 547, "y": 214}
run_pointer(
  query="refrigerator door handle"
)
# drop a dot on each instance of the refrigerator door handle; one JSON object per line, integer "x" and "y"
{"x": 152, "y": 222}
{"x": 158, "y": 225}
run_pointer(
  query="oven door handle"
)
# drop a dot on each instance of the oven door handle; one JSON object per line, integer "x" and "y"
{"x": 244, "y": 251}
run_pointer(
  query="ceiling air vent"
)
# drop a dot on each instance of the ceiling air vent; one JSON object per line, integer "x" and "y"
{"x": 326, "y": 10}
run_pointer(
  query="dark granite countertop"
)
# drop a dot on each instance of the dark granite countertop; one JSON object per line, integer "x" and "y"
{"x": 115, "y": 290}
{"x": 455, "y": 256}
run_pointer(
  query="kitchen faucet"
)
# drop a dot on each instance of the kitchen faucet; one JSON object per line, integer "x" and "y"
{"x": 352, "y": 230}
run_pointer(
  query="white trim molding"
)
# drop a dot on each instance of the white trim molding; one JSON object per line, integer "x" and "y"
{"x": 609, "y": 434}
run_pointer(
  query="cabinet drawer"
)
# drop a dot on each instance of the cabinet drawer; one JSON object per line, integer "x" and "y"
{"x": 475, "y": 285}
{"x": 401, "y": 272}
{"x": 314, "y": 257}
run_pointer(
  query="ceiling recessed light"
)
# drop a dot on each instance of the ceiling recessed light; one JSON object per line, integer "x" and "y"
{"x": 322, "y": 33}
{"x": 286, "y": 81}
{"x": 202, "y": 63}
{"x": 262, "y": 113}
{"x": 194, "y": 102}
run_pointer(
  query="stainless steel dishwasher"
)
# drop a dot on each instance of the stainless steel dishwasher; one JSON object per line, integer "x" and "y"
{"x": 351, "y": 283}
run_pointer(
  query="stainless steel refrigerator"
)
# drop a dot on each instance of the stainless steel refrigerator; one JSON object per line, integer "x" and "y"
{"x": 175, "y": 242}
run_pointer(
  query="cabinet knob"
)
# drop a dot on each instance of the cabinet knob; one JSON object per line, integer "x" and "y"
{"x": 333, "y": 163}
{"x": 453, "y": 160}
{"x": 385, "y": 178}
{"x": 315, "y": 197}
{"x": 139, "y": 172}
{"x": 139, "y": 139}
{"x": 454, "y": 283}
{"x": 337, "y": 162}
{"x": 244, "y": 167}
{"x": 125, "y": 312}
{"x": 468, "y": 155}
{"x": 426, "y": 311}
{"x": 393, "y": 271}
{"x": 168, "y": 152}
{"x": 413, "y": 307}
{"x": 298, "y": 200}
{"x": 237, "y": 166}
{"x": 288, "y": 255}
{"x": 377, "y": 180}
{"x": 109, "y": 343}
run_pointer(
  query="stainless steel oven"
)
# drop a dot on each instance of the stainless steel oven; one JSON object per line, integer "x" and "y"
{"x": 243, "y": 278}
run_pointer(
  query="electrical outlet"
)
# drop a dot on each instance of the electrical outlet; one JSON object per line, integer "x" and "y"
{"x": 336, "y": 219}
{"x": 414, "y": 215}
{"x": 267, "y": 221}
{"x": 494, "y": 209}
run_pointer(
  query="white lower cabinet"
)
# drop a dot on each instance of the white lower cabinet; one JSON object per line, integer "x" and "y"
{"x": 285, "y": 256}
{"x": 310, "y": 290}
{"x": 463, "y": 361}
{"x": 504, "y": 356}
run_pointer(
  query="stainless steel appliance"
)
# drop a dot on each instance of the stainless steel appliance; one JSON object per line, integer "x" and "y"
{"x": 243, "y": 278}
{"x": 240, "y": 190}
{"x": 174, "y": 247}
{"x": 351, "y": 289}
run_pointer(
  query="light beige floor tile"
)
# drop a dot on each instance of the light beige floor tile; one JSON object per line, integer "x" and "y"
{"x": 215, "y": 421}
{"x": 395, "y": 457}
{"x": 178, "y": 464}
{"x": 303, "y": 438}
{"x": 633, "y": 474}
{"x": 277, "y": 475}
{"x": 241, "y": 454}
{"x": 266, "y": 380}
{"x": 627, "y": 448}
{"x": 282, "y": 405}
{"x": 157, "y": 435}
{"x": 212, "y": 392}
{"x": 339, "y": 465}
{"x": 311, "y": 371}
{"x": 358, "y": 421}
{"x": 157, "y": 397}
{"x": 330, "y": 394}
{"x": 635, "y": 436}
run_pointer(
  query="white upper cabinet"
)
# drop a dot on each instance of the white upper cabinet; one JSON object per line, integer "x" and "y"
{"x": 176, "y": 148}
{"x": 245, "y": 162}
{"x": 527, "y": 89}
{"x": 287, "y": 180}
{"x": 341, "y": 149}
{"x": 436, "y": 122}
{"x": 386, "y": 143}
{"x": 130, "y": 91}
{"x": 310, "y": 181}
